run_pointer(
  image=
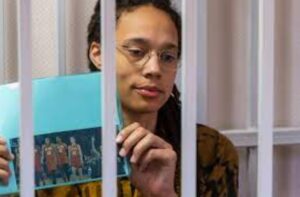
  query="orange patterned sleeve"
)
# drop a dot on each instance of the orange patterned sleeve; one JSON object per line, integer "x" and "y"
{"x": 217, "y": 163}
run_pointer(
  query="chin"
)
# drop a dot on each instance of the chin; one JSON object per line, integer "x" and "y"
{"x": 148, "y": 109}
{"x": 143, "y": 107}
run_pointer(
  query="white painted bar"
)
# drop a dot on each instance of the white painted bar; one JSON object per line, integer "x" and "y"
{"x": 265, "y": 97}
{"x": 2, "y": 43}
{"x": 243, "y": 168}
{"x": 109, "y": 187}
{"x": 202, "y": 100}
{"x": 252, "y": 171}
{"x": 26, "y": 118}
{"x": 252, "y": 62}
{"x": 189, "y": 96}
{"x": 61, "y": 36}
{"x": 248, "y": 137}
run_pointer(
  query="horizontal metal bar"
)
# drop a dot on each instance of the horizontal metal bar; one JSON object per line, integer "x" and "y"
{"x": 248, "y": 137}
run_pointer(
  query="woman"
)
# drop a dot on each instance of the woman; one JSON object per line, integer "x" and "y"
{"x": 75, "y": 158}
{"x": 49, "y": 156}
{"x": 148, "y": 49}
{"x": 38, "y": 167}
{"x": 62, "y": 159}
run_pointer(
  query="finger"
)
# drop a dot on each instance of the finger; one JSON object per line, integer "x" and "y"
{"x": 4, "y": 152}
{"x": 132, "y": 140}
{"x": 4, "y": 176}
{"x": 124, "y": 133}
{"x": 2, "y": 141}
{"x": 148, "y": 142}
{"x": 164, "y": 156}
{"x": 4, "y": 165}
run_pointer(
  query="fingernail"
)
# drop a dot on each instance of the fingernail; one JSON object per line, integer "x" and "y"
{"x": 133, "y": 159}
{"x": 119, "y": 139}
{"x": 122, "y": 152}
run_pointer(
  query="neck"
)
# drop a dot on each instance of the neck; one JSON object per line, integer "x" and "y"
{"x": 147, "y": 120}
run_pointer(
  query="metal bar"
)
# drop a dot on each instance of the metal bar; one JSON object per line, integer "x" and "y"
{"x": 248, "y": 138}
{"x": 108, "y": 98}
{"x": 203, "y": 73}
{"x": 25, "y": 77}
{"x": 2, "y": 43}
{"x": 189, "y": 92}
{"x": 61, "y": 36}
{"x": 252, "y": 172}
{"x": 265, "y": 97}
{"x": 252, "y": 68}
{"x": 252, "y": 91}
{"x": 243, "y": 168}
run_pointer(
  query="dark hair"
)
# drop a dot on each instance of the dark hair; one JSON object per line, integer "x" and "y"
{"x": 169, "y": 116}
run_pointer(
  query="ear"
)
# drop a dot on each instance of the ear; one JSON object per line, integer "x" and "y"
{"x": 95, "y": 54}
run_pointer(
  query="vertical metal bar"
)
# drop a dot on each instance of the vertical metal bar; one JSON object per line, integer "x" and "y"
{"x": 61, "y": 36}
{"x": 2, "y": 43}
{"x": 252, "y": 91}
{"x": 189, "y": 92}
{"x": 265, "y": 97}
{"x": 252, "y": 172}
{"x": 252, "y": 64}
{"x": 26, "y": 124}
{"x": 243, "y": 167}
{"x": 108, "y": 98}
{"x": 203, "y": 72}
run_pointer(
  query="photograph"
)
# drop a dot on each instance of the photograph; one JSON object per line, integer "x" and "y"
{"x": 65, "y": 157}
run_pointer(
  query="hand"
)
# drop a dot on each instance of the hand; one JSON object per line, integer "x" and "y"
{"x": 5, "y": 157}
{"x": 153, "y": 160}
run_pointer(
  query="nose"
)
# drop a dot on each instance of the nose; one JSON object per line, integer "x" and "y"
{"x": 152, "y": 67}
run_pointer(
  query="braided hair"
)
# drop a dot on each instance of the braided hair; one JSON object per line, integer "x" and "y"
{"x": 169, "y": 115}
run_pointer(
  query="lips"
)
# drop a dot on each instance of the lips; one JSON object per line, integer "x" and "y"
{"x": 148, "y": 91}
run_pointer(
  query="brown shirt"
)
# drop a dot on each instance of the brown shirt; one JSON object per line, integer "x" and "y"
{"x": 217, "y": 172}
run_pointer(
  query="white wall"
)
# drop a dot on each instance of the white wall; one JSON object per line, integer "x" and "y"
{"x": 44, "y": 24}
{"x": 228, "y": 56}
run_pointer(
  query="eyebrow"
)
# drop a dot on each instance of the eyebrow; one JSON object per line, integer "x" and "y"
{"x": 143, "y": 41}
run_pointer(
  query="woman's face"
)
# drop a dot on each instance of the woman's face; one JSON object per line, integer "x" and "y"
{"x": 144, "y": 88}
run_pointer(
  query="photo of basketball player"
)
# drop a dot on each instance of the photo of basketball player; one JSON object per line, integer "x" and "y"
{"x": 49, "y": 156}
{"x": 62, "y": 159}
{"x": 75, "y": 159}
{"x": 38, "y": 166}
{"x": 93, "y": 161}
{"x": 59, "y": 158}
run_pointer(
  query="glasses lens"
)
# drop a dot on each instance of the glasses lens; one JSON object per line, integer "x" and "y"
{"x": 168, "y": 59}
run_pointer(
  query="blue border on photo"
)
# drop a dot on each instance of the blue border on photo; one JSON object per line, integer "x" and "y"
{"x": 60, "y": 104}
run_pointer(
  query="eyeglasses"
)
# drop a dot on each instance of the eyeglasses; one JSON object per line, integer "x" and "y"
{"x": 168, "y": 58}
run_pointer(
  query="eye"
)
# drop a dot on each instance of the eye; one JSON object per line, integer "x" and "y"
{"x": 168, "y": 57}
{"x": 135, "y": 52}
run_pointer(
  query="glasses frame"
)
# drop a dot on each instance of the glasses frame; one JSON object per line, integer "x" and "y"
{"x": 147, "y": 57}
